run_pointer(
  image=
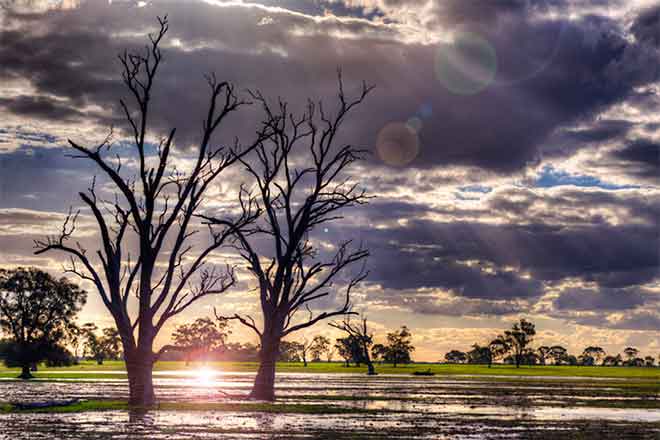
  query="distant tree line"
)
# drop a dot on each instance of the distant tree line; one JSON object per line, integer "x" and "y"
{"x": 206, "y": 339}
{"x": 37, "y": 314}
{"x": 513, "y": 347}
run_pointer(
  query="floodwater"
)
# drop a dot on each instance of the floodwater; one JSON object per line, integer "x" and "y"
{"x": 400, "y": 407}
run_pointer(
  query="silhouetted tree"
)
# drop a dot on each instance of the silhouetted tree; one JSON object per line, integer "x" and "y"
{"x": 631, "y": 353}
{"x": 398, "y": 348}
{"x": 320, "y": 346}
{"x": 586, "y": 360}
{"x": 112, "y": 342}
{"x": 455, "y": 357}
{"x": 359, "y": 333}
{"x": 498, "y": 348}
{"x": 145, "y": 226}
{"x": 106, "y": 346}
{"x": 544, "y": 353}
{"x": 76, "y": 339}
{"x": 199, "y": 338}
{"x": 612, "y": 361}
{"x": 649, "y": 361}
{"x": 35, "y": 311}
{"x": 293, "y": 275}
{"x": 518, "y": 338}
{"x": 289, "y": 351}
{"x": 595, "y": 352}
{"x": 558, "y": 354}
{"x": 236, "y": 351}
{"x": 58, "y": 356}
{"x": 480, "y": 355}
{"x": 350, "y": 350}
{"x": 342, "y": 345}
{"x": 304, "y": 347}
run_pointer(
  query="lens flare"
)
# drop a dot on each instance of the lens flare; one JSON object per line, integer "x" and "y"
{"x": 466, "y": 66}
{"x": 397, "y": 144}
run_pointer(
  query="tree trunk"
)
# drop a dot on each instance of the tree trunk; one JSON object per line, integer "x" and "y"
{"x": 517, "y": 361}
{"x": 140, "y": 382}
{"x": 25, "y": 372}
{"x": 371, "y": 371}
{"x": 264, "y": 382}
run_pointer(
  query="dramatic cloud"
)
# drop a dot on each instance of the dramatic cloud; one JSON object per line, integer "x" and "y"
{"x": 516, "y": 142}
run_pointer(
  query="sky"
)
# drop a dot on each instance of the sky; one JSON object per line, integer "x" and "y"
{"x": 516, "y": 148}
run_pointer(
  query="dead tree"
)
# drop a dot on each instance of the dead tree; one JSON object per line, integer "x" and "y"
{"x": 293, "y": 201}
{"x": 146, "y": 227}
{"x": 360, "y": 333}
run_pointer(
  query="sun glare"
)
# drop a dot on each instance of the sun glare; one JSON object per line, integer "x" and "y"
{"x": 206, "y": 375}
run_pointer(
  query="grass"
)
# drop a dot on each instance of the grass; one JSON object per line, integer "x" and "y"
{"x": 118, "y": 405}
{"x": 116, "y": 369}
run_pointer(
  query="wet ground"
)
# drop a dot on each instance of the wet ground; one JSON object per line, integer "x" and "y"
{"x": 400, "y": 407}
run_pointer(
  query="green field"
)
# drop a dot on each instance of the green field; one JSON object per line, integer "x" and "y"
{"x": 113, "y": 369}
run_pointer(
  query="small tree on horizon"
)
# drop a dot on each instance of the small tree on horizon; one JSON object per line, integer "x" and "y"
{"x": 480, "y": 355}
{"x": 359, "y": 333}
{"x": 518, "y": 338}
{"x": 596, "y": 353}
{"x": 498, "y": 348}
{"x": 199, "y": 338}
{"x": 106, "y": 346}
{"x": 631, "y": 353}
{"x": 320, "y": 346}
{"x": 456, "y": 357}
{"x": 398, "y": 348}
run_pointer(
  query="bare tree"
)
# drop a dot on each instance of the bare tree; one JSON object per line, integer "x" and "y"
{"x": 360, "y": 333}
{"x": 304, "y": 348}
{"x": 294, "y": 201}
{"x": 155, "y": 210}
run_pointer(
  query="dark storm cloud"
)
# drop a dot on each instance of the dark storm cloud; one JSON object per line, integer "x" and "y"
{"x": 397, "y": 264}
{"x": 635, "y": 320}
{"x": 428, "y": 303}
{"x": 597, "y": 236}
{"x": 603, "y": 130}
{"x": 565, "y": 142}
{"x": 641, "y": 158}
{"x": 564, "y": 71}
{"x": 39, "y": 107}
{"x": 639, "y": 321}
{"x": 42, "y": 178}
{"x": 574, "y": 206}
{"x": 647, "y": 26}
{"x": 614, "y": 256}
{"x": 603, "y": 299}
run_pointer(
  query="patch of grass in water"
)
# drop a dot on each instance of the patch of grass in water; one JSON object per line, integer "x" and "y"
{"x": 82, "y": 406}
{"x": 262, "y": 407}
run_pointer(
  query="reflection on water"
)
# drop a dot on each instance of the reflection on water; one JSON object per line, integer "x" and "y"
{"x": 409, "y": 408}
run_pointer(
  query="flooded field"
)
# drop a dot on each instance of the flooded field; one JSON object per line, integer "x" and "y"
{"x": 385, "y": 406}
